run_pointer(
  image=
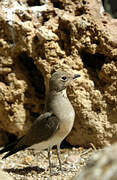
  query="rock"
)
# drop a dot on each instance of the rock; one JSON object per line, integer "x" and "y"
{"x": 5, "y": 176}
{"x": 102, "y": 165}
{"x": 72, "y": 159}
{"x": 39, "y": 38}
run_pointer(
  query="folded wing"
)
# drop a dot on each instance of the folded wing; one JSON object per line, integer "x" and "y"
{"x": 42, "y": 129}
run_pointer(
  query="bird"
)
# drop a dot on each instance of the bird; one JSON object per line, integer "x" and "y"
{"x": 51, "y": 127}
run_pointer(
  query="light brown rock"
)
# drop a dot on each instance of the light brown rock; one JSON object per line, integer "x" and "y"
{"x": 77, "y": 36}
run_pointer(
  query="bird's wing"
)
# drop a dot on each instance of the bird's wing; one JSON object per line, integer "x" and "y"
{"x": 42, "y": 129}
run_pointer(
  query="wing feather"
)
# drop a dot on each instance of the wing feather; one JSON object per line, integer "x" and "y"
{"x": 42, "y": 129}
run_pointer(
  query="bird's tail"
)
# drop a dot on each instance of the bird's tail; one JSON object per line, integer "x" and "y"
{"x": 12, "y": 148}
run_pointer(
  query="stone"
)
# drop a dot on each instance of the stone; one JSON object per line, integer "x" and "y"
{"x": 39, "y": 38}
{"x": 72, "y": 159}
{"x": 101, "y": 165}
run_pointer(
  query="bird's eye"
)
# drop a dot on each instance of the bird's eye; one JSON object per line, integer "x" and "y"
{"x": 64, "y": 78}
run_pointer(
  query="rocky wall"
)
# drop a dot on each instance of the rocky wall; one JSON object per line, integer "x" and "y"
{"x": 39, "y": 37}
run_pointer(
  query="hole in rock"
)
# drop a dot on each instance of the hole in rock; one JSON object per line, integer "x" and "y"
{"x": 45, "y": 19}
{"x": 33, "y": 2}
{"x": 57, "y": 4}
{"x": 65, "y": 38}
{"x": 79, "y": 12}
{"x": 94, "y": 61}
{"x": 84, "y": 2}
{"x": 96, "y": 109}
{"x": 33, "y": 74}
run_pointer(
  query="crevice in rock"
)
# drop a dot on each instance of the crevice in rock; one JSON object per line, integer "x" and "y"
{"x": 58, "y": 4}
{"x": 66, "y": 45}
{"x": 3, "y": 79}
{"x": 96, "y": 109}
{"x": 33, "y": 2}
{"x": 79, "y": 12}
{"x": 45, "y": 19}
{"x": 65, "y": 38}
{"x": 94, "y": 61}
{"x": 84, "y": 2}
{"x": 11, "y": 138}
{"x": 35, "y": 77}
{"x": 38, "y": 47}
{"x": 66, "y": 144}
{"x": 47, "y": 16}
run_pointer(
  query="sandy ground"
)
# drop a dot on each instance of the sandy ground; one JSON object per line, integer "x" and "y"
{"x": 30, "y": 165}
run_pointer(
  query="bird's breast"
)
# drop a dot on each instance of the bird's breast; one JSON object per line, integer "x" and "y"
{"x": 64, "y": 111}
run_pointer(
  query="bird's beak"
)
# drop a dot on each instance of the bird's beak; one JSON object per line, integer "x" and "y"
{"x": 76, "y": 76}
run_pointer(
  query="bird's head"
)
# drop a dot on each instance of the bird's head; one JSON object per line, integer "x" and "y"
{"x": 60, "y": 80}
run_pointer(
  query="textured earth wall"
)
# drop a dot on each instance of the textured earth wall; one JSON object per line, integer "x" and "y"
{"x": 39, "y": 37}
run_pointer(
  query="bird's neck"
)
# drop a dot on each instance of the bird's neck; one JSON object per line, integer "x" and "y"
{"x": 57, "y": 93}
{"x": 59, "y": 104}
{"x": 55, "y": 97}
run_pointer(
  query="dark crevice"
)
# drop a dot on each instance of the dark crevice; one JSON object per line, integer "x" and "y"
{"x": 65, "y": 27}
{"x": 94, "y": 61}
{"x": 65, "y": 38}
{"x": 79, "y": 12}
{"x": 58, "y": 4}
{"x": 45, "y": 19}
{"x": 35, "y": 39}
{"x": 84, "y": 2}
{"x": 62, "y": 45}
{"x": 11, "y": 137}
{"x": 65, "y": 144}
{"x": 3, "y": 79}
{"x": 34, "y": 114}
{"x": 38, "y": 47}
{"x": 34, "y": 75}
{"x": 93, "y": 64}
{"x": 33, "y": 2}
{"x": 66, "y": 46}
{"x": 47, "y": 15}
{"x": 96, "y": 109}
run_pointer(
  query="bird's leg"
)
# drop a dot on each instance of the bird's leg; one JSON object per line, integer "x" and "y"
{"x": 58, "y": 155}
{"x": 50, "y": 164}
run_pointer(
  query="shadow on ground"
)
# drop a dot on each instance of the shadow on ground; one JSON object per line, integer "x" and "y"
{"x": 25, "y": 170}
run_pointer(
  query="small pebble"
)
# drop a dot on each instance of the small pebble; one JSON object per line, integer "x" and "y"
{"x": 73, "y": 159}
{"x": 27, "y": 160}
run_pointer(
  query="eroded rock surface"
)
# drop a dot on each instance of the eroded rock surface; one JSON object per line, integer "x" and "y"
{"x": 37, "y": 39}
